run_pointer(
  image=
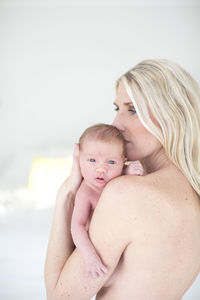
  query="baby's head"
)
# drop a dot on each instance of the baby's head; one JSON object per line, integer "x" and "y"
{"x": 102, "y": 154}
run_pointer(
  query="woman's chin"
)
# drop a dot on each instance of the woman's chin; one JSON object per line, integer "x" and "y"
{"x": 130, "y": 156}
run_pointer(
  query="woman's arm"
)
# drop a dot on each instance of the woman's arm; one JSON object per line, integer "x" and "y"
{"x": 60, "y": 243}
{"x": 110, "y": 236}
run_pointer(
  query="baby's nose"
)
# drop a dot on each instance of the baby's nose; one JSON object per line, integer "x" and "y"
{"x": 101, "y": 170}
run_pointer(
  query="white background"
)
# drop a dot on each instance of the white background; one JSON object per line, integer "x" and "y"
{"x": 59, "y": 61}
{"x": 58, "y": 64}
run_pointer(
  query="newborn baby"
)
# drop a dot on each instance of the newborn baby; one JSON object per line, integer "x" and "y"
{"x": 102, "y": 158}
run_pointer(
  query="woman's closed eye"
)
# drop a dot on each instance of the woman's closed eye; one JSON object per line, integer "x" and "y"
{"x": 131, "y": 109}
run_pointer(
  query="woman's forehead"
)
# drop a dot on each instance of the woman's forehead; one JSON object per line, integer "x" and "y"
{"x": 121, "y": 91}
{"x": 122, "y": 96}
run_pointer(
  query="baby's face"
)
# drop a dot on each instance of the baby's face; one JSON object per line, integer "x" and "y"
{"x": 100, "y": 162}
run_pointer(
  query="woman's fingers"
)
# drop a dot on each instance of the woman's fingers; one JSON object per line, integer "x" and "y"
{"x": 75, "y": 177}
{"x": 76, "y": 150}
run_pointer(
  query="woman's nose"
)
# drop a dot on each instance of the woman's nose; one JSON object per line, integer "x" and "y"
{"x": 118, "y": 123}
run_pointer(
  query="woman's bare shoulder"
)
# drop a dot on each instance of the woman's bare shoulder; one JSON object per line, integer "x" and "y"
{"x": 130, "y": 183}
{"x": 129, "y": 188}
{"x": 156, "y": 188}
{"x": 167, "y": 192}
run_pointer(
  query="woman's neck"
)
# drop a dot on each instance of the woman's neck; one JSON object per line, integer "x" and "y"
{"x": 156, "y": 162}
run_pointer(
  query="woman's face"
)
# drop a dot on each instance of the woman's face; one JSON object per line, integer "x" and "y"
{"x": 140, "y": 143}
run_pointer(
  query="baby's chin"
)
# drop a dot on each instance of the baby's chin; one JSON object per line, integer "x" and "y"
{"x": 96, "y": 184}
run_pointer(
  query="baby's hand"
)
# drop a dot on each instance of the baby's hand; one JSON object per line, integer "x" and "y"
{"x": 94, "y": 266}
{"x": 134, "y": 168}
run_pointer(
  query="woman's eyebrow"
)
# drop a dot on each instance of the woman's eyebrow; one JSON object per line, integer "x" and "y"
{"x": 125, "y": 103}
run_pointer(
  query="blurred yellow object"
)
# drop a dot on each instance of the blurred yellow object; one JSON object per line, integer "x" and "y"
{"x": 46, "y": 176}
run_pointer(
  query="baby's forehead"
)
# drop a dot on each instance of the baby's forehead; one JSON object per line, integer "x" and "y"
{"x": 109, "y": 142}
{"x": 102, "y": 147}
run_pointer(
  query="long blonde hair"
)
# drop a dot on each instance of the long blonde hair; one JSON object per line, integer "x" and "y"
{"x": 173, "y": 98}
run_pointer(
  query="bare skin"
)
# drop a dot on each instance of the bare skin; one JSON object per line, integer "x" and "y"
{"x": 162, "y": 259}
{"x": 154, "y": 252}
{"x": 98, "y": 160}
{"x": 146, "y": 229}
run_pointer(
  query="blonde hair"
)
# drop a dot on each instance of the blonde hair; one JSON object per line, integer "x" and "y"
{"x": 105, "y": 133}
{"x": 172, "y": 96}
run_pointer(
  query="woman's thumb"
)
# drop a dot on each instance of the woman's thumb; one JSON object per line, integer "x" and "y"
{"x": 76, "y": 149}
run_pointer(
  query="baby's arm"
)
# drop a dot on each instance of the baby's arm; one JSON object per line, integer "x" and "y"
{"x": 80, "y": 236}
{"x": 134, "y": 168}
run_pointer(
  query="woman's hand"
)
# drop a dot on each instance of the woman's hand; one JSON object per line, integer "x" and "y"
{"x": 72, "y": 183}
{"x": 75, "y": 177}
{"x": 61, "y": 244}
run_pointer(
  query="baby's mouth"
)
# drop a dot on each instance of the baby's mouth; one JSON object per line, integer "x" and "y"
{"x": 100, "y": 179}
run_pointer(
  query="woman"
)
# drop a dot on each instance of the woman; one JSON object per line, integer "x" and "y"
{"x": 145, "y": 228}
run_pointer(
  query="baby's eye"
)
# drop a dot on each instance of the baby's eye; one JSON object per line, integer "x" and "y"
{"x": 92, "y": 160}
{"x": 111, "y": 162}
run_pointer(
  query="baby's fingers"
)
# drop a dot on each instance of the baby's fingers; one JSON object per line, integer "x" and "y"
{"x": 104, "y": 269}
{"x": 101, "y": 270}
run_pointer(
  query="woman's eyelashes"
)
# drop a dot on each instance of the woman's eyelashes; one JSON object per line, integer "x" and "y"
{"x": 131, "y": 109}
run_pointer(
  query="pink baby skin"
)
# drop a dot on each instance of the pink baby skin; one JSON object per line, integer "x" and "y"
{"x": 100, "y": 162}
